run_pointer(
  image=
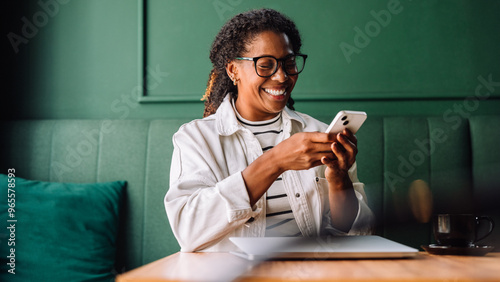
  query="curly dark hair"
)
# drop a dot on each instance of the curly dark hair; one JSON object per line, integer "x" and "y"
{"x": 231, "y": 42}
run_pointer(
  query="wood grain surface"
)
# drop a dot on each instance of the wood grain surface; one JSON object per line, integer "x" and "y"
{"x": 227, "y": 267}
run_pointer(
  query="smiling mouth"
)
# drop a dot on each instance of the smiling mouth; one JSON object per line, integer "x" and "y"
{"x": 274, "y": 92}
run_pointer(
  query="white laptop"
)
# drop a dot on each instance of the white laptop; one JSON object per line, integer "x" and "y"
{"x": 352, "y": 247}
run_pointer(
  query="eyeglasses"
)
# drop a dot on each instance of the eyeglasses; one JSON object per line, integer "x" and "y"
{"x": 267, "y": 66}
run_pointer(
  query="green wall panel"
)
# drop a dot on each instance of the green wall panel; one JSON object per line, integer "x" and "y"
{"x": 357, "y": 49}
{"x": 88, "y": 59}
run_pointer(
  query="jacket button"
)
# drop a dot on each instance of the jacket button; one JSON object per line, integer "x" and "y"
{"x": 317, "y": 179}
{"x": 250, "y": 220}
{"x": 297, "y": 195}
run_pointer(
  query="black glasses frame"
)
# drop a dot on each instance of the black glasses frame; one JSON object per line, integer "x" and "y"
{"x": 279, "y": 62}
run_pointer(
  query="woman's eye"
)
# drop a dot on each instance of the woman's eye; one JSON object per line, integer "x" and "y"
{"x": 265, "y": 66}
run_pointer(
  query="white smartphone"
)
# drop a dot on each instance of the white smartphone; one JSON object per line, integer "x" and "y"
{"x": 351, "y": 120}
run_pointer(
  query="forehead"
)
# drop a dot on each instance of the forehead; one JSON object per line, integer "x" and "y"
{"x": 269, "y": 43}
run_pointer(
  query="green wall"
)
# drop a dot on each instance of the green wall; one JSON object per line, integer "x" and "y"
{"x": 87, "y": 59}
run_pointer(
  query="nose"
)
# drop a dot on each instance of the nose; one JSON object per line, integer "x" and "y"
{"x": 280, "y": 74}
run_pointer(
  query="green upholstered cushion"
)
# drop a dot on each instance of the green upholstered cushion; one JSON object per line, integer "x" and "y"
{"x": 63, "y": 231}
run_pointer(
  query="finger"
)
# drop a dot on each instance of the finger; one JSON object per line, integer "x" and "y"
{"x": 319, "y": 156}
{"x": 350, "y": 136}
{"x": 340, "y": 153}
{"x": 346, "y": 157}
{"x": 324, "y": 148}
{"x": 326, "y": 161}
{"x": 340, "y": 143}
{"x": 332, "y": 136}
{"x": 330, "y": 162}
{"x": 347, "y": 144}
{"x": 316, "y": 163}
{"x": 330, "y": 156}
{"x": 320, "y": 137}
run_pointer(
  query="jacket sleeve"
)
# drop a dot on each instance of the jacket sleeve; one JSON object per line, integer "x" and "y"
{"x": 203, "y": 203}
{"x": 364, "y": 223}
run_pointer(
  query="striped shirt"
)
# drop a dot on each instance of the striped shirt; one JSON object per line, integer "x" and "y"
{"x": 279, "y": 217}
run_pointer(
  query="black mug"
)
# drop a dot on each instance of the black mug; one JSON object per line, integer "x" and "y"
{"x": 459, "y": 230}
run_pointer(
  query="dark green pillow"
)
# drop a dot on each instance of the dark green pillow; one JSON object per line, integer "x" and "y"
{"x": 63, "y": 231}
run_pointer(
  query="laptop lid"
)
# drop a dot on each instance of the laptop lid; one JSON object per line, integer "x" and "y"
{"x": 320, "y": 247}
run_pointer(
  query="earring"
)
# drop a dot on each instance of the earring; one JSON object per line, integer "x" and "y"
{"x": 235, "y": 81}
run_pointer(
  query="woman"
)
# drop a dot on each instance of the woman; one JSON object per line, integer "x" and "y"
{"x": 253, "y": 166}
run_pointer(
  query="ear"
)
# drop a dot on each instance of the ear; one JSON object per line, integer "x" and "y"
{"x": 232, "y": 70}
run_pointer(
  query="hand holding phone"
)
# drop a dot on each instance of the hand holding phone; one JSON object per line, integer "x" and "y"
{"x": 351, "y": 120}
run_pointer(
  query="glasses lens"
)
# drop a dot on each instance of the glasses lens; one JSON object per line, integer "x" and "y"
{"x": 294, "y": 64}
{"x": 266, "y": 66}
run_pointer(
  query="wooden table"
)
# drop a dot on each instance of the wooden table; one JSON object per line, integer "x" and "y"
{"x": 227, "y": 267}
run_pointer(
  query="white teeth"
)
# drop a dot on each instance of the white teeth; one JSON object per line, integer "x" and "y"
{"x": 275, "y": 92}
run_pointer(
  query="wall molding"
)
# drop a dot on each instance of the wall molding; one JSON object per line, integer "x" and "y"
{"x": 404, "y": 95}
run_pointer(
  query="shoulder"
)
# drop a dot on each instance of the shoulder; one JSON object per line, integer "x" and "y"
{"x": 197, "y": 128}
{"x": 306, "y": 122}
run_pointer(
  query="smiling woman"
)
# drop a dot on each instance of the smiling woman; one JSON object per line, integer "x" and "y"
{"x": 253, "y": 166}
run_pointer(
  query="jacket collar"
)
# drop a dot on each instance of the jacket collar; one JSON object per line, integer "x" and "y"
{"x": 227, "y": 124}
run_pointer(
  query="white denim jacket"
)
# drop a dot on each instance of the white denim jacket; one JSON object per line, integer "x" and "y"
{"x": 207, "y": 201}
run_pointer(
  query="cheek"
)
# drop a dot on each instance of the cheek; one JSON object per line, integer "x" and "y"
{"x": 293, "y": 79}
{"x": 250, "y": 80}
{"x": 257, "y": 83}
